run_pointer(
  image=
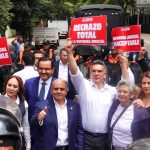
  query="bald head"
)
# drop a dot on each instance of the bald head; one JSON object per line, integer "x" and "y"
{"x": 60, "y": 81}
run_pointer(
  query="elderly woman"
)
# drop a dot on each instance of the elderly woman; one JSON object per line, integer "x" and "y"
{"x": 133, "y": 124}
{"x": 13, "y": 88}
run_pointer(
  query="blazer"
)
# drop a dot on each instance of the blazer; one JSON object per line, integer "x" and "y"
{"x": 31, "y": 94}
{"x": 71, "y": 93}
{"x": 48, "y": 131}
{"x": 140, "y": 127}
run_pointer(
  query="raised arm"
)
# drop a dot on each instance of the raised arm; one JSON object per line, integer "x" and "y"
{"x": 71, "y": 61}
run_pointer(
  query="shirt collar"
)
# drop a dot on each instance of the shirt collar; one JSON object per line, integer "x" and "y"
{"x": 56, "y": 103}
{"x": 47, "y": 82}
{"x": 60, "y": 62}
{"x": 94, "y": 85}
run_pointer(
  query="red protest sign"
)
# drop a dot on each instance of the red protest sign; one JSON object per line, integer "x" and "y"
{"x": 89, "y": 30}
{"x": 127, "y": 38}
{"x": 4, "y": 53}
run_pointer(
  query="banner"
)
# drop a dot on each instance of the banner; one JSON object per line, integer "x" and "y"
{"x": 89, "y": 30}
{"x": 4, "y": 52}
{"x": 127, "y": 38}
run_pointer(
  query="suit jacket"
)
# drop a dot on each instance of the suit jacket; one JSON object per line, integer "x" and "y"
{"x": 48, "y": 131}
{"x": 140, "y": 127}
{"x": 71, "y": 93}
{"x": 31, "y": 94}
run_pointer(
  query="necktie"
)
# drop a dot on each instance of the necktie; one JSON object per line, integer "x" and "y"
{"x": 42, "y": 91}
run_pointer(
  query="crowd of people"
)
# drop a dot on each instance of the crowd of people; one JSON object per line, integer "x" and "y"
{"x": 62, "y": 110}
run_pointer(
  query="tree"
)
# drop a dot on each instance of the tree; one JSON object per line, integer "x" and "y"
{"x": 27, "y": 14}
{"x": 125, "y": 4}
{"x": 5, "y": 15}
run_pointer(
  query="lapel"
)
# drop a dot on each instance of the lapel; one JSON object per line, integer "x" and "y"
{"x": 52, "y": 112}
{"x": 35, "y": 87}
{"x": 49, "y": 93}
{"x": 70, "y": 114}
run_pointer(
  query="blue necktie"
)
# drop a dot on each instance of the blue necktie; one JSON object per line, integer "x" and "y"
{"x": 42, "y": 91}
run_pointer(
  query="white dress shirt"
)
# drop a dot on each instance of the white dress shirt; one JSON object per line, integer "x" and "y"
{"x": 62, "y": 119}
{"x": 94, "y": 103}
{"x": 63, "y": 71}
{"x": 122, "y": 135}
{"x": 47, "y": 86}
{"x": 27, "y": 73}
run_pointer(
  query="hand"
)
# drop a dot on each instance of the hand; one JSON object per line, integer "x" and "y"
{"x": 124, "y": 61}
{"x": 68, "y": 45}
{"x": 43, "y": 114}
{"x": 28, "y": 148}
{"x": 142, "y": 52}
{"x": 138, "y": 103}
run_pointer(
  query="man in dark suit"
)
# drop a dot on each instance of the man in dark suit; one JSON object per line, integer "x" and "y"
{"x": 33, "y": 87}
{"x": 58, "y": 121}
{"x": 61, "y": 71}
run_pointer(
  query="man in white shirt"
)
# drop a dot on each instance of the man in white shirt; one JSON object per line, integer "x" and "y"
{"x": 61, "y": 71}
{"x": 29, "y": 70}
{"x": 95, "y": 98}
{"x": 58, "y": 121}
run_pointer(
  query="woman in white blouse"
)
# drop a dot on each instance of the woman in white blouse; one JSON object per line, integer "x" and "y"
{"x": 134, "y": 123}
{"x": 13, "y": 88}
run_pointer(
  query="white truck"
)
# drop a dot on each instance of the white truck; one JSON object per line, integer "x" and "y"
{"x": 62, "y": 26}
{"x": 43, "y": 33}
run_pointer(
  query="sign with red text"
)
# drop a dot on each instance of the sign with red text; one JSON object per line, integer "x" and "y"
{"x": 90, "y": 30}
{"x": 127, "y": 38}
{"x": 4, "y": 53}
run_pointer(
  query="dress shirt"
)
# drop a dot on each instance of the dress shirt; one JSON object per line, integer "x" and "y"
{"x": 62, "y": 119}
{"x": 25, "y": 124}
{"x": 63, "y": 71}
{"x": 94, "y": 103}
{"x": 47, "y": 86}
{"x": 27, "y": 73}
{"x": 122, "y": 135}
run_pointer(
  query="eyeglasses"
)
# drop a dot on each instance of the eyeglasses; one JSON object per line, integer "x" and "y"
{"x": 46, "y": 69}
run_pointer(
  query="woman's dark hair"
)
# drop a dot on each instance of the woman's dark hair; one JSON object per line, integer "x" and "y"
{"x": 20, "y": 83}
{"x": 147, "y": 75}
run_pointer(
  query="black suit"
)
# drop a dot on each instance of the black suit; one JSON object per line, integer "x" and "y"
{"x": 71, "y": 93}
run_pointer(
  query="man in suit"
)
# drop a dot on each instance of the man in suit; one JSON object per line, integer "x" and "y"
{"x": 61, "y": 71}
{"x": 58, "y": 121}
{"x": 34, "y": 87}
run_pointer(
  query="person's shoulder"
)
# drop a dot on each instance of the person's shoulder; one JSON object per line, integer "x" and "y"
{"x": 33, "y": 79}
{"x": 72, "y": 102}
{"x": 111, "y": 88}
{"x": 141, "y": 112}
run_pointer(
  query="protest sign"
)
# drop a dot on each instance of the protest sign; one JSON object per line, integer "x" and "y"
{"x": 127, "y": 38}
{"x": 4, "y": 53}
{"x": 89, "y": 30}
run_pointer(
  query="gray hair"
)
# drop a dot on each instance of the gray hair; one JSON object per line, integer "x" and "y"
{"x": 128, "y": 83}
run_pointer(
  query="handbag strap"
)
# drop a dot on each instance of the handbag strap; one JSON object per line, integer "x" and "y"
{"x": 113, "y": 125}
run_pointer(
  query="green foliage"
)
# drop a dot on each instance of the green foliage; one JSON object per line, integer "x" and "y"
{"x": 5, "y": 15}
{"x": 28, "y": 13}
{"x": 125, "y": 4}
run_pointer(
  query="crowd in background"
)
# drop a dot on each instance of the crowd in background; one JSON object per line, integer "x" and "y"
{"x": 110, "y": 110}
